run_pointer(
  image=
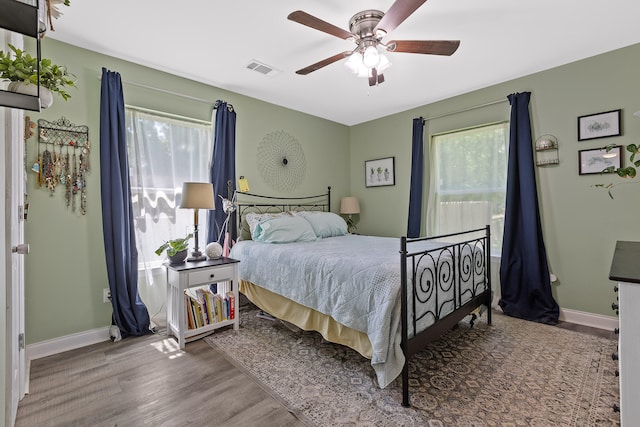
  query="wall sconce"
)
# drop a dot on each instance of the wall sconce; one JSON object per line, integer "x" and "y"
{"x": 197, "y": 195}
{"x": 350, "y": 206}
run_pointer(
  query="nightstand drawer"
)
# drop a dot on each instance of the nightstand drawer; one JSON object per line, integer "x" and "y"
{"x": 210, "y": 275}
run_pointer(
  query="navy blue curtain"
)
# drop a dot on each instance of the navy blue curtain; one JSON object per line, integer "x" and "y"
{"x": 129, "y": 312}
{"x": 417, "y": 178}
{"x": 223, "y": 170}
{"x": 524, "y": 272}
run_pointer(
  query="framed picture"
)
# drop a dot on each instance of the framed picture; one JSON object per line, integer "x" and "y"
{"x": 598, "y": 159}
{"x": 380, "y": 172}
{"x": 601, "y": 125}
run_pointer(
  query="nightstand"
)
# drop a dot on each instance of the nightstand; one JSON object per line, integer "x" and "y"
{"x": 202, "y": 296}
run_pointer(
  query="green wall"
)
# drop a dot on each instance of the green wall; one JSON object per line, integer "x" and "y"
{"x": 65, "y": 271}
{"x": 580, "y": 223}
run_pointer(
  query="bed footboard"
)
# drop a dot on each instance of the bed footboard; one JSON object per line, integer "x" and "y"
{"x": 440, "y": 287}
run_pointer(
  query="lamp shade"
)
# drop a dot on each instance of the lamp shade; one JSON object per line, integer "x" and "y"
{"x": 197, "y": 195}
{"x": 349, "y": 205}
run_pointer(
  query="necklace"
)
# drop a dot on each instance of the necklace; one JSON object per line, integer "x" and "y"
{"x": 47, "y": 170}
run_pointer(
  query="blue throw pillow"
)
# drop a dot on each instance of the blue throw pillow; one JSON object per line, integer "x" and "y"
{"x": 326, "y": 224}
{"x": 284, "y": 229}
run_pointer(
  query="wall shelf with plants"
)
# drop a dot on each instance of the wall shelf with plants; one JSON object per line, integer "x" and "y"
{"x": 20, "y": 18}
{"x": 32, "y": 81}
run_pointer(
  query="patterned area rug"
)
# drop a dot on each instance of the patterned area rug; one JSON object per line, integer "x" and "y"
{"x": 510, "y": 373}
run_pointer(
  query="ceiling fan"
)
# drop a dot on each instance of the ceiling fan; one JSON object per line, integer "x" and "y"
{"x": 367, "y": 29}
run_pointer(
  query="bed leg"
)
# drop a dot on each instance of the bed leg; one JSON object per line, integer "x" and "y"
{"x": 405, "y": 384}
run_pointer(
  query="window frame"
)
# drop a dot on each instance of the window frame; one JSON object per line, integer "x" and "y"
{"x": 497, "y": 220}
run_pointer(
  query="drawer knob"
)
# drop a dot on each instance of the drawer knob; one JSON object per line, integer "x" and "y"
{"x": 614, "y": 356}
{"x": 614, "y": 306}
{"x": 211, "y": 276}
{"x": 615, "y": 288}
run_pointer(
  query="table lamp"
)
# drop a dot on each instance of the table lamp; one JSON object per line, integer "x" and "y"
{"x": 197, "y": 195}
{"x": 350, "y": 206}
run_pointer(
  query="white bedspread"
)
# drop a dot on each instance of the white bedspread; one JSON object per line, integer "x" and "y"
{"x": 354, "y": 279}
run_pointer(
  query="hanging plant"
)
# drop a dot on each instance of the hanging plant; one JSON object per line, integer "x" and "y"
{"x": 53, "y": 11}
{"x": 622, "y": 172}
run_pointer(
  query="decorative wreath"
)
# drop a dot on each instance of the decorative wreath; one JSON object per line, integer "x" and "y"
{"x": 281, "y": 161}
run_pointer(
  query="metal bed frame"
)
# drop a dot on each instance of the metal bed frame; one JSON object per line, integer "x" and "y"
{"x": 450, "y": 266}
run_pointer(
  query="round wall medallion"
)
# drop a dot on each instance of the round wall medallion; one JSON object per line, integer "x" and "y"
{"x": 281, "y": 161}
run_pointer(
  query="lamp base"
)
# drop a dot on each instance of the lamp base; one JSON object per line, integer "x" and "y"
{"x": 196, "y": 256}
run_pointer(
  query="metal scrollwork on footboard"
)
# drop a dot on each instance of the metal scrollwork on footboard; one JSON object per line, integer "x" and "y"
{"x": 442, "y": 283}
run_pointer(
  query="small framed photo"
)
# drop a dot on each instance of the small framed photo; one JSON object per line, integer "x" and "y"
{"x": 598, "y": 159}
{"x": 601, "y": 125}
{"x": 380, "y": 172}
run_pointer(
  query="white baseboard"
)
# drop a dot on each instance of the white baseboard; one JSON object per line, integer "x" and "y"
{"x": 589, "y": 319}
{"x": 82, "y": 339}
{"x": 66, "y": 343}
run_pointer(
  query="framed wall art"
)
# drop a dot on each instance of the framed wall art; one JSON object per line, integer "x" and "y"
{"x": 599, "y": 125}
{"x": 598, "y": 159}
{"x": 380, "y": 172}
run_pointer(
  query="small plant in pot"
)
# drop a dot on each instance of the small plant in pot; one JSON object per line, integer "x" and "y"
{"x": 177, "y": 249}
{"x": 21, "y": 69}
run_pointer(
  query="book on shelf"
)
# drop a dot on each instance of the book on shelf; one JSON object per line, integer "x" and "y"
{"x": 232, "y": 305}
{"x": 206, "y": 307}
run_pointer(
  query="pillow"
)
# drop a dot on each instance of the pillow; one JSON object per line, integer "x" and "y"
{"x": 284, "y": 229}
{"x": 254, "y": 218}
{"x": 326, "y": 224}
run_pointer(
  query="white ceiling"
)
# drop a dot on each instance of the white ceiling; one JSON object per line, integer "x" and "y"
{"x": 213, "y": 41}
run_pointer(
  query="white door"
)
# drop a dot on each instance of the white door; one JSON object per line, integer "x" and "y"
{"x": 14, "y": 186}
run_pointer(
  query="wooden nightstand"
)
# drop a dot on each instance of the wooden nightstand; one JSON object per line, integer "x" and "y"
{"x": 189, "y": 319}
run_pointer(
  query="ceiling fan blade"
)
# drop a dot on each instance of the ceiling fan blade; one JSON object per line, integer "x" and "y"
{"x": 323, "y": 63}
{"x": 429, "y": 47}
{"x": 311, "y": 21}
{"x": 397, "y": 13}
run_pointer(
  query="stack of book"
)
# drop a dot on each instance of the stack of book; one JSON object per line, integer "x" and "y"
{"x": 207, "y": 305}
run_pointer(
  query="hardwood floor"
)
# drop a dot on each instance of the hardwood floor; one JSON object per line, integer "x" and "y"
{"x": 146, "y": 381}
{"x": 149, "y": 381}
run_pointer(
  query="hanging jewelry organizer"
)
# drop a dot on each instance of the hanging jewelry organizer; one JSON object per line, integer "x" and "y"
{"x": 63, "y": 160}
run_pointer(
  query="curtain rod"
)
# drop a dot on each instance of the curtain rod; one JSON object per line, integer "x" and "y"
{"x": 467, "y": 109}
{"x": 157, "y": 89}
{"x": 194, "y": 98}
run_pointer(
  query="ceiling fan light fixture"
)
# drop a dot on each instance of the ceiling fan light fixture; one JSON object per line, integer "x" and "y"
{"x": 371, "y": 57}
{"x": 354, "y": 63}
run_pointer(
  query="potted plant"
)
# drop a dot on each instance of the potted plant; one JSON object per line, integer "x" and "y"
{"x": 21, "y": 69}
{"x": 177, "y": 249}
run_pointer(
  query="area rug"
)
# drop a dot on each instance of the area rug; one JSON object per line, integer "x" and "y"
{"x": 510, "y": 373}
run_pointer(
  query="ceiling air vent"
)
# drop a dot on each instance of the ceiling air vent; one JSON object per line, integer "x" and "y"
{"x": 261, "y": 68}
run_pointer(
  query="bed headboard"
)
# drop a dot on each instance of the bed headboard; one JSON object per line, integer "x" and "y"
{"x": 249, "y": 202}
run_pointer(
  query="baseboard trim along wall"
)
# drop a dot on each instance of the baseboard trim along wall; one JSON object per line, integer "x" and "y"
{"x": 82, "y": 339}
{"x": 66, "y": 343}
{"x": 589, "y": 319}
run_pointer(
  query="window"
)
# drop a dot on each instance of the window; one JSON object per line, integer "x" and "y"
{"x": 164, "y": 152}
{"x": 468, "y": 181}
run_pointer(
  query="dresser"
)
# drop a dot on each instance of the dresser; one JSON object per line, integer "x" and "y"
{"x": 625, "y": 269}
